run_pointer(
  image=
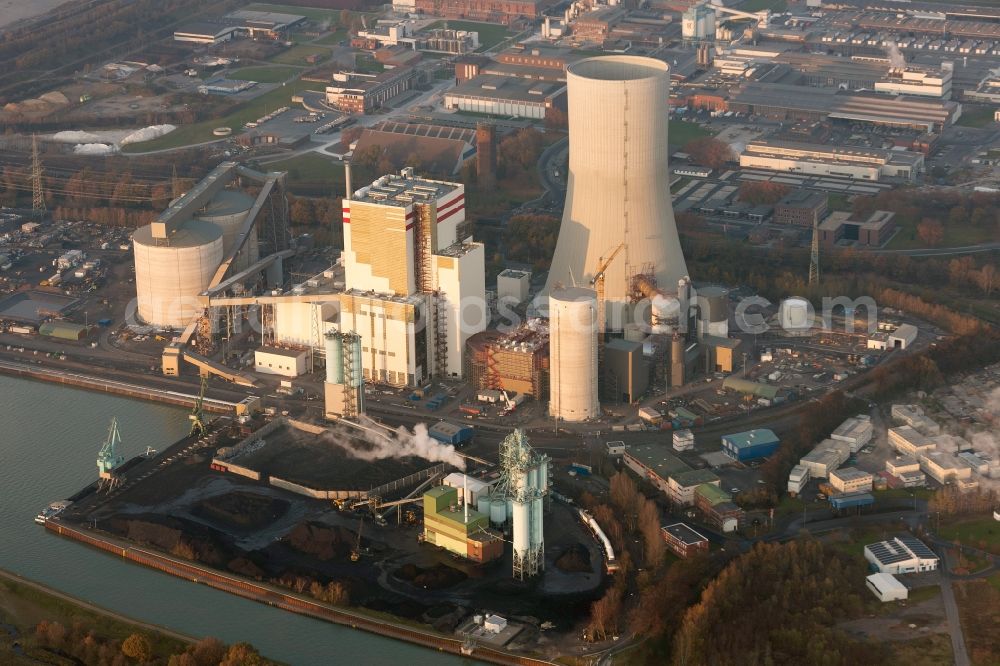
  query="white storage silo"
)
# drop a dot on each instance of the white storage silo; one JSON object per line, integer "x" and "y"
{"x": 521, "y": 527}
{"x": 498, "y": 511}
{"x": 795, "y": 315}
{"x": 536, "y": 537}
{"x": 573, "y": 354}
{"x": 171, "y": 273}
{"x": 228, "y": 210}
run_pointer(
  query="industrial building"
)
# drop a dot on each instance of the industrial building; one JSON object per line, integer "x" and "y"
{"x": 900, "y": 555}
{"x": 872, "y": 164}
{"x": 797, "y": 479}
{"x": 489, "y": 11}
{"x": 522, "y": 488}
{"x": 507, "y": 96}
{"x": 750, "y": 445}
{"x": 851, "y": 480}
{"x": 904, "y": 472}
{"x": 404, "y": 262}
{"x": 252, "y": 24}
{"x": 683, "y": 540}
{"x": 841, "y": 228}
{"x": 429, "y": 149}
{"x": 802, "y": 208}
{"x": 913, "y": 416}
{"x": 513, "y": 286}
{"x": 573, "y": 386}
{"x": 683, "y": 484}
{"x": 516, "y": 362}
{"x": 698, "y": 22}
{"x": 910, "y": 442}
{"x": 451, "y": 524}
{"x": 362, "y": 92}
{"x": 856, "y": 431}
{"x": 825, "y": 457}
{"x": 279, "y": 361}
{"x": 945, "y": 468}
{"x": 718, "y": 508}
{"x": 794, "y": 102}
{"x": 216, "y": 227}
{"x": 920, "y": 81}
{"x": 63, "y": 330}
{"x": 623, "y": 241}
{"x": 655, "y": 463}
{"x": 885, "y": 587}
{"x": 902, "y": 337}
{"x": 683, "y": 440}
{"x": 626, "y": 372}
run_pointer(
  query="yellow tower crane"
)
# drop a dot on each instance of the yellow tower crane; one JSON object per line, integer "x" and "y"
{"x": 597, "y": 282}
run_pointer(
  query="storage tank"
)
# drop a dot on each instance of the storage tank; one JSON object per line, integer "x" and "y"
{"x": 521, "y": 526}
{"x": 228, "y": 210}
{"x": 334, "y": 359}
{"x": 713, "y": 312}
{"x": 573, "y": 354}
{"x": 536, "y": 534}
{"x": 795, "y": 315}
{"x": 498, "y": 511}
{"x": 483, "y": 504}
{"x": 170, "y": 274}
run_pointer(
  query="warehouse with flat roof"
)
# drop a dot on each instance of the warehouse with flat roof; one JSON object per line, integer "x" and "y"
{"x": 902, "y": 554}
{"x": 750, "y": 445}
{"x": 872, "y": 164}
{"x": 507, "y": 96}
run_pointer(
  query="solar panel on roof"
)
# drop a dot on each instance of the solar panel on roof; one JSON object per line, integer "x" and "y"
{"x": 917, "y": 547}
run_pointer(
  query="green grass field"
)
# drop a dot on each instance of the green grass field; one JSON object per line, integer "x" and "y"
{"x": 489, "y": 34}
{"x": 972, "y": 531}
{"x": 297, "y": 54}
{"x": 265, "y": 74}
{"x": 954, "y": 236}
{"x": 200, "y": 132}
{"x": 682, "y": 131}
{"x": 310, "y": 173}
{"x": 976, "y": 116}
{"x": 334, "y": 38}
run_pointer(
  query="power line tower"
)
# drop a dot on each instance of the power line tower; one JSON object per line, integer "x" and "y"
{"x": 37, "y": 193}
{"x": 814, "y": 256}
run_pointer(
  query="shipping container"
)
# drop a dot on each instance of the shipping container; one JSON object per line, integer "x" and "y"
{"x": 474, "y": 410}
{"x": 852, "y": 500}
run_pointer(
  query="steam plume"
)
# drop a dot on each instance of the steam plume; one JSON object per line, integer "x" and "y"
{"x": 367, "y": 444}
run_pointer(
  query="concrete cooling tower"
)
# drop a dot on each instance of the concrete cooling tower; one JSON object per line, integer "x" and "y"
{"x": 618, "y": 194}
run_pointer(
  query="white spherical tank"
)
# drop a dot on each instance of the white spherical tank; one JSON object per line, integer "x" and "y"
{"x": 228, "y": 210}
{"x": 795, "y": 315}
{"x": 573, "y": 354}
{"x": 170, "y": 274}
{"x": 616, "y": 190}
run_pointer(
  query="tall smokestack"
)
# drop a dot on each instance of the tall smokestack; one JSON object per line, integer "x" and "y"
{"x": 617, "y": 190}
{"x": 486, "y": 155}
{"x": 347, "y": 179}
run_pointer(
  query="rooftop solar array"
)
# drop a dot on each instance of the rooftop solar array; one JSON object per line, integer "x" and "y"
{"x": 886, "y": 552}
{"x": 917, "y": 547}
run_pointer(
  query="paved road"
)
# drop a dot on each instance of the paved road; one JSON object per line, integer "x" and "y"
{"x": 951, "y": 611}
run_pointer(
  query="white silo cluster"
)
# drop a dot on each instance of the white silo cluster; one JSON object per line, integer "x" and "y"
{"x": 524, "y": 483}
{"x": 573, "y": 354}
{"x": 228, "y": 210}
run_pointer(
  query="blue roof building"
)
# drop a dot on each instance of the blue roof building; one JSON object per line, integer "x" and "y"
{"x": 750, "y": 445}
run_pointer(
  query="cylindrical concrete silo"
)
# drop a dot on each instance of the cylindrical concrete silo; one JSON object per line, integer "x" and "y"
{"x": 536, "y": 534}
{"x": 713, "y": 312}
{"x": 795, "y": 315}
{"x": 573, "y": 354}
{"x": 498, "y": 511}
{"x": 334, "y": 359}
{"x": 228, "y": 210}
{"x": 521, "y": 527}
{"x": 618, "y": 183}
{"x": 171, "y": 273}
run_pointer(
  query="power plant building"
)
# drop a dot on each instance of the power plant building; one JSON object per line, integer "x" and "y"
{"x": 517, "y": 362}
{"x": 456, "y": 527}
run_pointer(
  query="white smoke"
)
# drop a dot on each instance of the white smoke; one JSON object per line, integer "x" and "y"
{"x": 371, "y": 445}
{"x": 896, "y": 58}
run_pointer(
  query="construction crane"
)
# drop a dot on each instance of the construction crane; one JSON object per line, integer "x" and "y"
{"x": 597, "y": 282}
{"x": 508, "y": 405}
{"x": 356, "y": 553}
{"x": 197, "y": 415}
{"x": 109, "y": 458}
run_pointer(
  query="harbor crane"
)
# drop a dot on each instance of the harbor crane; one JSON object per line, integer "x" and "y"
{"x": 109, "y": 459}
{"x": 597, "y": 282}
{"x": 197, "y": 415}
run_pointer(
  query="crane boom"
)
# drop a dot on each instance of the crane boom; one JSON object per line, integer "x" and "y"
{"x": 598, "y": 283}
